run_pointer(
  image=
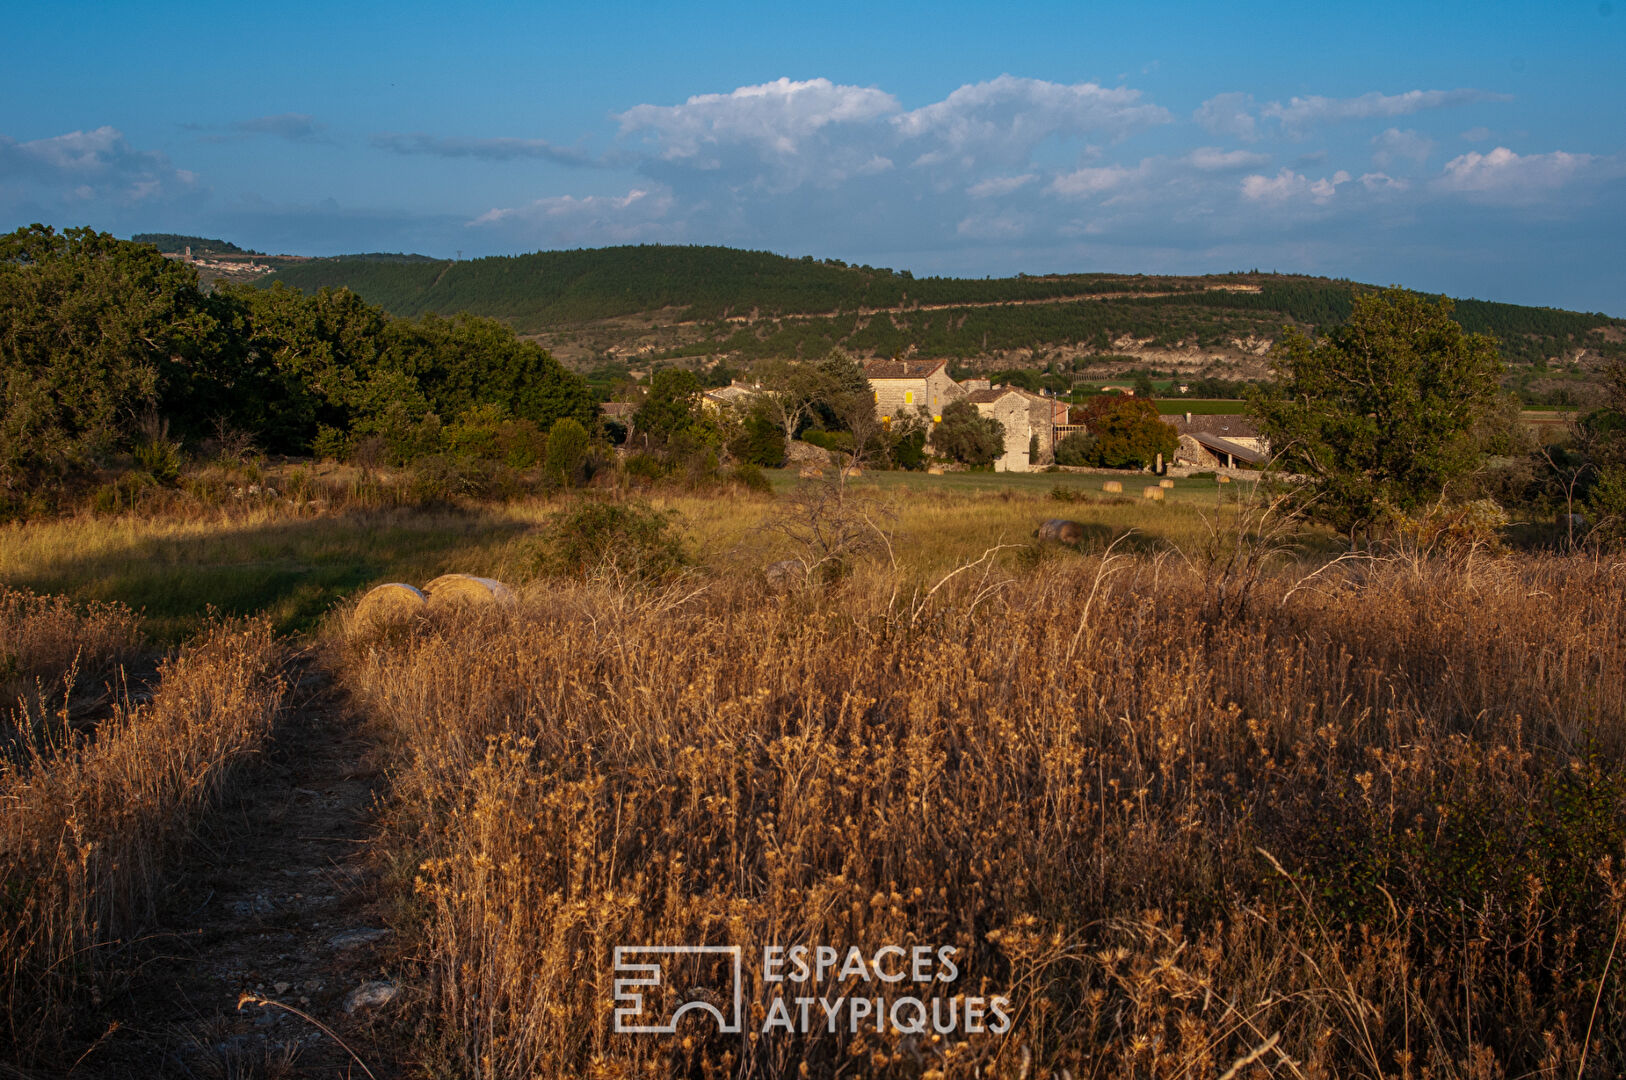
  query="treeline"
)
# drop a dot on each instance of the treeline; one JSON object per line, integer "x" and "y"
{"x": 702, "y": 283}
{"x": 200, "y": 245}
{"x": 109, "y": 350}
{"x": 804, "y": 307}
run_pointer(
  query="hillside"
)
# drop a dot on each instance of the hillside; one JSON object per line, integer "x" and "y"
{"x": 660, "y": 302}
{"x": 175, "y": 243}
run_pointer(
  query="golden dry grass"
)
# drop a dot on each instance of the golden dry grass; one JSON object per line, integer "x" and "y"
{"x": 1366, "y": 823}
{"x": 88, "y": 836}
{"x": 52, "y": 653}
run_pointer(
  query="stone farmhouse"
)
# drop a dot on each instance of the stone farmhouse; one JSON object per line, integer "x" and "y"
{"x": 903, "y": 387}
{"x": 1217, "y": 440}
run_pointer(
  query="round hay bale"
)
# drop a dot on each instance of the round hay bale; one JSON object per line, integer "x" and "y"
{"x": 1152, "y": 492}
{"x": 1223, "y": 479}
{"x": 389, "y": 605}
{"x": 1165, "y": 483}
{"x": 466, "y": 589}
{"x": 934, "y": 470}
{"x": 809, "y": 472}
{"x": 1113, "y": 485}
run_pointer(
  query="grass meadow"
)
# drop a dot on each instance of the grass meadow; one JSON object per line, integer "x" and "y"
{"x": 1198, "y": 799}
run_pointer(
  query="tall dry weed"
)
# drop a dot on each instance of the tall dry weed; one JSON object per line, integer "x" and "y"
{"x": 87, "y": 836}
{"x": 57, "y": 658}
{"x": 1368, "y": 824}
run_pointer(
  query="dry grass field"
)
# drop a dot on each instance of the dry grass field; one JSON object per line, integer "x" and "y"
{"x": 1195, "y": 811}
{"x": 1365, "y": 825}
{"x": 93, "y": 828}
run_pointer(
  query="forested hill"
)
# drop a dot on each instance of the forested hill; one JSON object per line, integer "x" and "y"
{"x": 692, "y": 301}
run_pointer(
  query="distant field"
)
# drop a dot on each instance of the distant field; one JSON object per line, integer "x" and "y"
{"x": 296, "y": 568}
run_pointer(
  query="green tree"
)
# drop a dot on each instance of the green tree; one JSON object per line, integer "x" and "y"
{"x": 967, "y": 436}
{"x": 761, "y": 441}
{"x": 95, "y": 333}
{"x": 567, "y": 451}
{"x": 1381, "y": 412}
{"x": 1126, "y": 433}
{"x": 1076, "y": 448}
{"x": 671, "y": 415}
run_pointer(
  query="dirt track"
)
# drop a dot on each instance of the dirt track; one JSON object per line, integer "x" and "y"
{"x": 283, "y": 904}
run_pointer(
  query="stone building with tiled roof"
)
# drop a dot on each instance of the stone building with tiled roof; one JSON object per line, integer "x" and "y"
{"x": 1029, "y": 421}
{"x": 902, "y": 387}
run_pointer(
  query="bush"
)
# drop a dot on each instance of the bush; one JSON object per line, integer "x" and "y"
{"x": 1127, "y": 433}
{"x": 752, "y": 478}
{"x": 761, "y": 442}
{"x": 567, "y": 452}
{"x": 1076, "y": 448}
{"x": 839, "y": 441}
{"x": 966, "y": 436}
{"x": 623, "y": 541}
{"x": 645, "y": 468}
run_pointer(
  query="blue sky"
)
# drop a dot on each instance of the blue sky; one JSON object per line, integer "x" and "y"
{"x": 1475, "y": 149}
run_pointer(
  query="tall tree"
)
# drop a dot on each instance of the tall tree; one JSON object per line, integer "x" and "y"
{"x": 1380, "y": 412}
{"x": 95, "y": 332}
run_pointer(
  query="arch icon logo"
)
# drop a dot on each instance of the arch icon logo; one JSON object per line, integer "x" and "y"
{"x": 649, "y": 975}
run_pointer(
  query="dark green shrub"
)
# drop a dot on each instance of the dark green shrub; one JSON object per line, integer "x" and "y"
{"x": 966, "y": 436}
{"x": 645, "y": 468}
{"x": 1076, "y": 448}
{"x": 567, "y": 452}
{"x": 624, "y": 541}
{"x": 751, "y": 478}
{"x": 761, "y": 442}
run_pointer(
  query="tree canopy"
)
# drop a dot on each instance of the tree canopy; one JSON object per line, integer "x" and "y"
{"x": 1380, "y": 413}
{"x": 99, "y": 335}
{"x": 1124, "y": 433}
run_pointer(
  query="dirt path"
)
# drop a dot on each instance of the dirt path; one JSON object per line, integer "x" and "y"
{"x": 282, "y": 903}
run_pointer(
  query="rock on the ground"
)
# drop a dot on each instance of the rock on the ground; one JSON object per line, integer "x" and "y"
{"x": 349, "y": 939}
{"x": 369, "y": 994}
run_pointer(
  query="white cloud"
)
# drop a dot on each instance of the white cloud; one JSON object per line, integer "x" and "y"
{"x": 1001, "y": 121}
{"x": 1213, "y": 159}
{"x": 1084, "y": 183}
{"x": 85, "y": 166}
{"x": 1504, "y": 176}
{"x": 1378, "y": 181}
{"x": 1229, "y": 114}
{"x": 1477, "y": 134}
{"x": 1394, "y": 144}
{"x": 1000, "y": 185}
{"x": 784, "y": 134}
{"x": 1289, "y": 186}
{"x": 636, "y": 216}
{"x": 1302, "y": 112}
{"x": 777, "y": 118}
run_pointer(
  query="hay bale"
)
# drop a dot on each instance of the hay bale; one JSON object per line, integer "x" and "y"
{"x": 1113, "y": 485}
{"x": 1165, "y": 483}
{"x": 466, "y": 590}
{"x": 1153, "y": 492}
{"x": 934, "y": 470}
{"x": 390, "y": 605}
{"x": 1223, "y": 479}
{"x": 810, "y": 473}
